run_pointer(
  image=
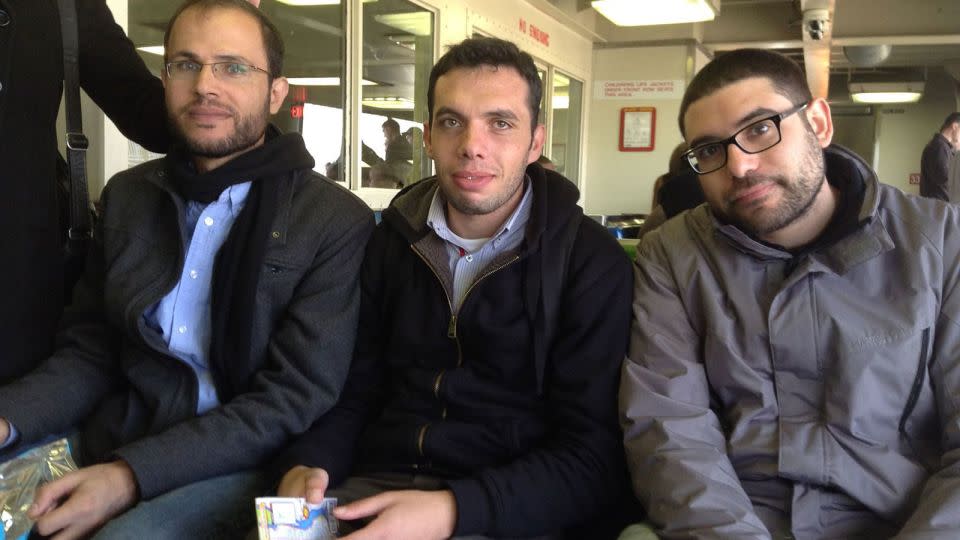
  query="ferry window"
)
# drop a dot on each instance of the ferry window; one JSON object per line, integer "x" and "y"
{"x": 567, "y": 103}
{"x": 396, "y": 60}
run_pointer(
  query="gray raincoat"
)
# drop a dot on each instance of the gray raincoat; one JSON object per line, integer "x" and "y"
{"x": 767, "y": 395}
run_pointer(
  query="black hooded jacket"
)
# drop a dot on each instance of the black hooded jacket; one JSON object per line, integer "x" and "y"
{"x": 528, "y": 447}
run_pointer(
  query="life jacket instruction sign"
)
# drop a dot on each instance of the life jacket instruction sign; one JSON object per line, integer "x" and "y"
{"x": 645, "y": 89}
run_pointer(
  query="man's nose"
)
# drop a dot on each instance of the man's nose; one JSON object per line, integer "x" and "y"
{"x": 473, "y": 140}
{"x": 739, "y": 163}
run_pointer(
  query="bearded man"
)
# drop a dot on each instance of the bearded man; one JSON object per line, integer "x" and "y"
{"x": 794, "y": 366}
{"x": 218, "y": 310}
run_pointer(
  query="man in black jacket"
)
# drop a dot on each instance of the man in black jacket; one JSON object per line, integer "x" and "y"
{"x": 494, "y": 318}
{"x": 217, "y": 313}
{"x": 31, "y": 75}
{"x": 936, "y": 157}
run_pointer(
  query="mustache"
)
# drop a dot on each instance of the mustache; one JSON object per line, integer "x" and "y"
{"x": 207, "y": 102}
{"x": 743, "y": 183}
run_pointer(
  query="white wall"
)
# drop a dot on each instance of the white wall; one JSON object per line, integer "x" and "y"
{"x": 622, "y": 182}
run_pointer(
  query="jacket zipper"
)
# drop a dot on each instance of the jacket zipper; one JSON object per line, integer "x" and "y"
{"x": 451, "y": 331}
{"x": 918, "y": 380}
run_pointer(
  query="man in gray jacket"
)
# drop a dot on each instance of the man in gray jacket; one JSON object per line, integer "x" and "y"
{"x": 218, "y": 310}
{"x": 795, "y": 355}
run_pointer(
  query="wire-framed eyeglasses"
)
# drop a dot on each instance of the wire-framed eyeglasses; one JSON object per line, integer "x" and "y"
{"x": 752, "y": 139}
{"x": 188, "y": 70}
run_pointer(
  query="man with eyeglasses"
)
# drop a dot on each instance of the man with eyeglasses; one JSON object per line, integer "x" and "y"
{"x": 795, "y": 355}
{"x": 218, "y": 311}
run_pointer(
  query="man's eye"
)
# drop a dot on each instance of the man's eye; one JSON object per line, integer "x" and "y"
{"x": 760, "y": 129}
{"x": 235, "y": 69}
{"x": 502, "y": 124}
{"x": 187, "y": 67}
{"x": 706, "y": 152}
{"x": 449, "y": 122}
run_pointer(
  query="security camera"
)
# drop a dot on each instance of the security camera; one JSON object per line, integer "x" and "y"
{"x": 816, "y": 23}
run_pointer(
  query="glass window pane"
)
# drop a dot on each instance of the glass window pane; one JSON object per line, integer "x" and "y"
{"x": 397, "y": 57}
{"x": 567, "y": 103}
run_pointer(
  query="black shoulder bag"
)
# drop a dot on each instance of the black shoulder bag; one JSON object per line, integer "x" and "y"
{"x": 78, "y": 230}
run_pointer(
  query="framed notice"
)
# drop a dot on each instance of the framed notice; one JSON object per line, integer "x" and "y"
{"x": 637, "y": 129}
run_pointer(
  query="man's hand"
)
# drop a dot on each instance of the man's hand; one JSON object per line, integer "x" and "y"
{"x": 81, "y": 501}
{"x": 305, "y": 482}
{"x": 403, "y": 515}
{"x": 4, "y": 430}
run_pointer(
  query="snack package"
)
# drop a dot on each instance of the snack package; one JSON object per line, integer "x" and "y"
{"x": 293, "y": 518}
{"x": 19, "y": 479}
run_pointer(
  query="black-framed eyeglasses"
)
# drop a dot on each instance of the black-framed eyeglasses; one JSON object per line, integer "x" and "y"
{"x": 752, "y": 139}
{"x": 188, "y": 70}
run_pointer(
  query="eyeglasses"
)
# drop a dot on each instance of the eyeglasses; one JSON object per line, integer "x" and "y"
{"x": 752, "y": 139}
{"x": 188, "y": 70}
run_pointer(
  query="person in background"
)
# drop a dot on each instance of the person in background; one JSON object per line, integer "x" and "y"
{"x": 546, "y": 163}
{"x": 31, "y": 81}
{"x": 936, "y": 158}
{"x": 673, "y": 192}
{"x": 481, "y": 402}
{"x": 793, "y": 368}
{"x": 217, "y": 313}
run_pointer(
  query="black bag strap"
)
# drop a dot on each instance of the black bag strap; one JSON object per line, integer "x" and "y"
{"x": 78, "y": 231}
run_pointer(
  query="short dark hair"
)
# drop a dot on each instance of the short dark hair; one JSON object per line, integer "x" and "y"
{"x": 951, "y": 118}
{"x": 786, "y": 76}
{"x": 272, "y": 42}
{"x": 391, "y": 123}
{"x": 488, "y": 51}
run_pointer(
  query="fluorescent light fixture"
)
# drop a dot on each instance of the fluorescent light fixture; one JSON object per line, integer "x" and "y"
{"x": 418, "y": 23}
{"x": 152, "y": 49}
{"x": 561, "y": 102}
{"x": 314, "y": 2}
{"x": 322, "y": 81}
{"x": 650, "y": 12}
{"x": 886, "y": 92}
{"x": 394, "y": 103}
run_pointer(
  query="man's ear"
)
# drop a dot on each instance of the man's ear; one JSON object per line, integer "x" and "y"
{"x": 278, "y": 92}
{"x": 818, "y": 114}
{"x": 536, "y": 144}
{"x": 427, "y": 139}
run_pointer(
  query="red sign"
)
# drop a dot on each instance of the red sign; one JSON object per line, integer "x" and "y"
{"x": 534, "y": 32}
{"x": 914, "y": 178}
{"x": 296, "y": 111}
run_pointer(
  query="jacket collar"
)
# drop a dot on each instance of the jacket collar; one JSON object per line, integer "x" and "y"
{"x": 554, "y": 202}
{"x": 157, "y": 174}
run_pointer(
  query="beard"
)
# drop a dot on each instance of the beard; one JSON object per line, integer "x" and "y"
{"x": 798, "y": 194}
{"x": 247, "y": 132}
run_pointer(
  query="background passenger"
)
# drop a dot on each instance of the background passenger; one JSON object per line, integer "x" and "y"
{"x": 218, "y": 310}
{"x": 936, "y": 157}
{"x": 794, "y": 366}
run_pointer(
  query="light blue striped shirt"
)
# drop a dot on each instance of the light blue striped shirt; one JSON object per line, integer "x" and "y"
{"x": 183, "y": 316}
{"x": 466, "y": 265}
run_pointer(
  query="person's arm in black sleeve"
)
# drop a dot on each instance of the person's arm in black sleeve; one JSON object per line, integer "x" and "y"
{"x": 116, "y": 78}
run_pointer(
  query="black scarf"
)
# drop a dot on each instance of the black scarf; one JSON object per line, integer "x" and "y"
{"x": 240, "y": 260}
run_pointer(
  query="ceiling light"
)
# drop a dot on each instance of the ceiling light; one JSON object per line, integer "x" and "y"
{"x": 561, "y": 102}
{"x": 396, "y": 103}
{"x": 322, "y": 81}
{"x": 418, "y": 23}
{"x": 152, "y": 49}
{"x": 886, "y": 92}
{"x": 650, "y": 12}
